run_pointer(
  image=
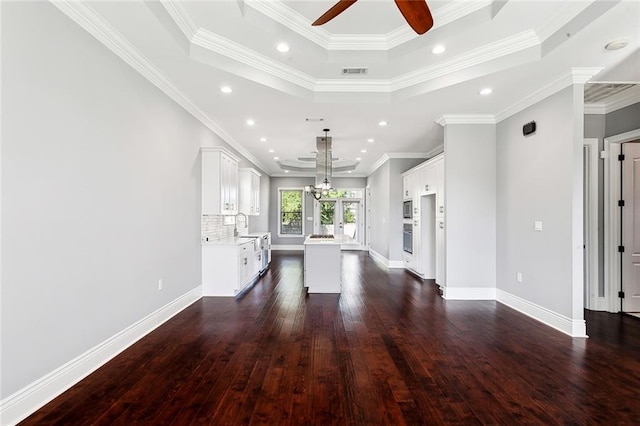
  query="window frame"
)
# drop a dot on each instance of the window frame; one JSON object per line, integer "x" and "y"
{"x": 302, "y": 213}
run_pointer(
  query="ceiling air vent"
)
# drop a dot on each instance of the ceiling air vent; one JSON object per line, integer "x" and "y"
{"x": 355, "y": 71}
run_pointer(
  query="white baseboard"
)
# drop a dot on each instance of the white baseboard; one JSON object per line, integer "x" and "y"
{"x": 572, "y": 327}
{"x": 27, "y": 400}
{"x": 469, "y": 293}
{"x": 299, "y": 247}
{"x": 391, "y": 264}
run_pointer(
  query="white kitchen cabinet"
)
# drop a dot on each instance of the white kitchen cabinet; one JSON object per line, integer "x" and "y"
{"x": 424, "y": 185}
{"x": 227, "y": 268}
{"x": 249, "y": 191}
{"x": 219, "y": 181}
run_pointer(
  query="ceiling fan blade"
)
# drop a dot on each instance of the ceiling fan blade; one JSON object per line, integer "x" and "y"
{"x": 417, "y": 14}
{"x": 336, "y": 10}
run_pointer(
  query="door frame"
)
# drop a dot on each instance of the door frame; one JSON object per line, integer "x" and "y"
{"x": 592, "y": 300}
{"x": 612, "y": 218}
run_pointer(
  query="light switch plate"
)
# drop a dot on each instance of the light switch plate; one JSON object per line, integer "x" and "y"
{"x": 537, "y": 225}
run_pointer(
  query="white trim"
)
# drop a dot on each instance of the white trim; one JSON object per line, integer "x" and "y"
{"x": 614, "y": 103}
{"x": 27, "y": 400}
{"x": 612, "y": 215}
{"x": 278, "y": 247}
{"x": 572, "y": 327}
{"x": 446, "y": 119}
{"x": 486, "y": 53}
{"x": 469, "y": 293}
{"x": 83, "y": 15}
{"x": 303, "y": 217}
{"x": 283, "y": 14}
{"x": 389, "y": 155}
{"x": 234, "y": 51}
{"x": 593, "y": 302}
{"x": 574, "y": 76}
{"x": 390, "y": 264}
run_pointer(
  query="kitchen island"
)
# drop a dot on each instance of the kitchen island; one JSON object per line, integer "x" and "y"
{"x": 322, "y": 263}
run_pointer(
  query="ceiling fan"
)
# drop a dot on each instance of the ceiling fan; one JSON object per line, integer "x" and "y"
{"x": 415, "y": 12}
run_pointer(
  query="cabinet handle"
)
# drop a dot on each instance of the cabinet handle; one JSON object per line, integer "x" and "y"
{"x": 245, "y": 260}
{"x": 426, "y": 187}
{"x": 415, "y": 210}
{"x": 441, "y": 209}
{"x": 406, "y": 193}
{"x": 441, "y": 224}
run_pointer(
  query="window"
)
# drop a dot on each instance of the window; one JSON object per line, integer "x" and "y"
{"x": 291, "y": 213}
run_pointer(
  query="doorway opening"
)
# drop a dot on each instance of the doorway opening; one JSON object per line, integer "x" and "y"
{"x": 622, "y": 292}
{"x": 341, "y": 213}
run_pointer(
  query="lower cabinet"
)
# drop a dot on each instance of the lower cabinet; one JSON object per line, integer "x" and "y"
{"x": 227, "y": 269}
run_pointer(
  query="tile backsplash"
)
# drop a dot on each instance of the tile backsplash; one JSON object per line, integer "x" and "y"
{"x": 213, "y": 228}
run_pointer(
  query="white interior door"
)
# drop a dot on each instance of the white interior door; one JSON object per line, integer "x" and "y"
{"x": 631, "y": 227}
{"x": 341, "y": 216}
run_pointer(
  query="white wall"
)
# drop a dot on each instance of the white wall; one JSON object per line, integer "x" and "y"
{"x": 386, "y": 207}
{"x": 470, "y": 206}
{"x": 379, "y": 183}
{"x": 536, "y": 181}
{"x": 100, "y": 194}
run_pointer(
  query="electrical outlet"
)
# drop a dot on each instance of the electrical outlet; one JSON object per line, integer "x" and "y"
{"x": 519, "y": 277}
{"x": 160, "y": 284}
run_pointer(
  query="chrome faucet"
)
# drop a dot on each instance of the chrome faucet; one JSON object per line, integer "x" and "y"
{"x": 246, "y": 224}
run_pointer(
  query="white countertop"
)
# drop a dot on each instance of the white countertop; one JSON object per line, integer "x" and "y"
{"x": 337, "y": 239}
{"x": 232, "y": 241}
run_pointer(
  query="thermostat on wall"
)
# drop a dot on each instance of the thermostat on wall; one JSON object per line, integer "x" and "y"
{"x": 529, "y": 128}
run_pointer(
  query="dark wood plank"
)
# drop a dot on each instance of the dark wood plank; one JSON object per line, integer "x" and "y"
{"x": 388, "y": 350}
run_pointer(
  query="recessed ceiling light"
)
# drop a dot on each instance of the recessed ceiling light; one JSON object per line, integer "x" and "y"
{"x": 363, "y": 150}
{"x": 358, "y": 159}
{"x": 286, "y": 171}
{"x": 349, "y": 171}
{"x": 282, "y": 47}
{"x": 226, "y": 89}
{"x": 263, "y": 139}
{"x": 616, "y": 44}
{"x": 486, "y": 91}
{"x": 250, "y": 122}
{"x": 276, "y": 158}
{"x": 271, "y": 150}
{"x": 438, "y": 49}
{"x": 370, "y": 140}
{"x": 382, "y": 123}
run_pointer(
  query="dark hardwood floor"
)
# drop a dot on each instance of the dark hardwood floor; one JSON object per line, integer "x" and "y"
{"x": 389, "y": 350}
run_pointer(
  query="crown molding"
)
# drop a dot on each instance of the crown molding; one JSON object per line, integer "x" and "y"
{"x": 486, "y": 53}
{"x": 557, "y": 20}
{"x": 353, "y": 86}
{"x": 283, "y": 14}
{"x": 220, "y": 45}
{"x": 447, "y": 119}
{"x": 584, "y": 74}
{"x": 181, "y": 17}
{"x": 90, "y": 21}
{"x": 616, "y": 102}
{"x": 573, "y": 76}
{"x": 390, "y": 155}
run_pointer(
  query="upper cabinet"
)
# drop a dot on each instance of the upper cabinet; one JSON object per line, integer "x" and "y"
{"x": 425, "y": 179}
{"x": 219, "y": 181}
{"x": 249, "y": 191}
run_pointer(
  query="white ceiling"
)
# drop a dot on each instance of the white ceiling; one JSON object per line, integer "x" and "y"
{"x": 191, "y": 48}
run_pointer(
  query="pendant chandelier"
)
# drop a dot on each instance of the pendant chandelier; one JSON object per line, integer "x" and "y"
{"x": 323, "y": 168}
